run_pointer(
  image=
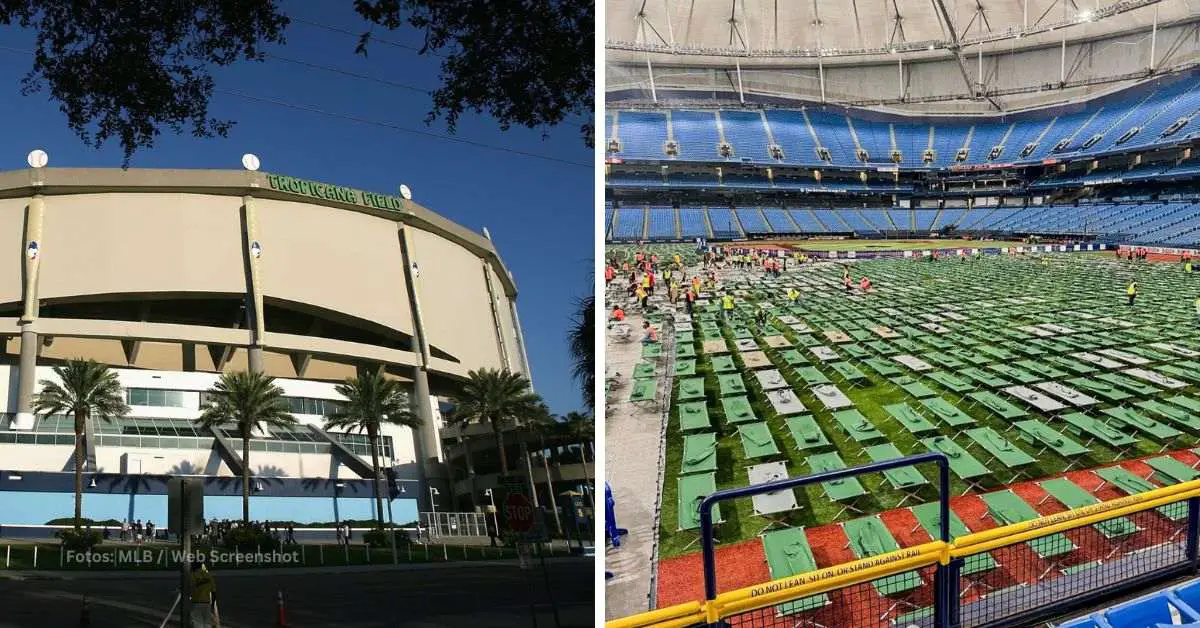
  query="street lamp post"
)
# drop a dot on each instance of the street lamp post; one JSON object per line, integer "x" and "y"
{"x": 433, "y": 492}
{"x": 495, "y": 522}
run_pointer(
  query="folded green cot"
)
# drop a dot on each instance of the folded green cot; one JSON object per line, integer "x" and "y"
{"x": 1034, "y": 432}
{"x": 837, "y": 490}
{"x": 737, "y": 409}
{"x": 723, "y": 364}
{"x": 1142, "y": 423}
{"x": 947, "y": 412}
{"x": 868, "y": 537}
{"x": 690, "y": 388}
{"x": 909, "y": 418}
{"x": 903, "y": 478}
{"x": 1131, "y": 484}
{"x": 757, "y": 441}
{"x": 997, "y": 405}
{"x": 789, "y": 554}
{"x": 699, "y": 453}
{"x": 1000, "y": 448}
{"x": 882, "y": 366}
{"x": 1073, "y": 496}
{"x": 806, "y": 432}
{"x": 857, "y": 426}
{"x": 693, "y": 416}
{"x": 983, "y": 377}
{"x": 1171, "y": 471}
{"x": 929, "y": 518}
{"x": 952, "y": 382}
{"x": 963, "y": 464}
{"x": 643, "y": 390}
{"x": 1082, "y": 424}
{"x": 1007, "y": 508}
{"x": 731, "y": 384}
{"x": 1100, "y": 389}
{"x": 848, "y": 372}
{"x": 1177, "y": 415}
{"x": 811, "y": 375}
{"x": 692, "y": 489}
{"x": 913, "y": 387}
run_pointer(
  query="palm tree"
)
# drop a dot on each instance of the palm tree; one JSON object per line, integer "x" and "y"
{"x": 499, "y": 397}
{"x": 87, "y": 389}
{"x": 372, "y": 401}
{"x": 544, "y": 424}
{"x": 581, "y": 343}
{"x": 581, "y": 428}
{"x": 249, "y": 401}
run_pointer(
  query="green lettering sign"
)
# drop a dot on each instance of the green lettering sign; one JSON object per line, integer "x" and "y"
{"x": 334, "y": 193}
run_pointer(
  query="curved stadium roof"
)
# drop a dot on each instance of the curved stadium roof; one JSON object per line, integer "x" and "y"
{"x": 995, "y": 52}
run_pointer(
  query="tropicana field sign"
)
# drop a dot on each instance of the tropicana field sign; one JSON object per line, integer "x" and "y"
{"x": 335, "y": 193}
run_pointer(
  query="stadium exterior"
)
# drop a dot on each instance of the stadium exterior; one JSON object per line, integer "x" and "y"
{"x": 174, "y": 276}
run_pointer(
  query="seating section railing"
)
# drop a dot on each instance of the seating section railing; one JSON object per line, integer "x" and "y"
{"x": 1072, "y": 559}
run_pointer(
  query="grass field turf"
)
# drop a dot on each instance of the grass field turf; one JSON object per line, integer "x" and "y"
{"x": 739, "y": 521}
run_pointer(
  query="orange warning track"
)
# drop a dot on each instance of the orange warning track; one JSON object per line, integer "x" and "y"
{"x": 680, "y": 579}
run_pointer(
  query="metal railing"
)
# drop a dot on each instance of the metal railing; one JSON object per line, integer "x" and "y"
{"x": 1013, "y": 575}
{"x": 451, "y": 524}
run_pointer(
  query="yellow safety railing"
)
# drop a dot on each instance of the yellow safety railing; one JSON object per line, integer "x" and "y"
{"x": 869, "y": 569}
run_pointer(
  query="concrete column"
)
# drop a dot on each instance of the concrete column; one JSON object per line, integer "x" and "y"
{"x": 427, "y": 440}
{"x": 254, "y": 299}
{"x": 255, "y": 358}
{"x": 26, "y": 379}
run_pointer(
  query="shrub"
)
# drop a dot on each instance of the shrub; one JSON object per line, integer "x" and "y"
{"x": 70, "y": 521}
{"x": 249, "y": 539}
{"x": 82, "y": 540}
{"x": 378, "y": 537}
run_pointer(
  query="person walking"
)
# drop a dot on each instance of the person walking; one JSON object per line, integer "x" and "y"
{"x": 1131, "y": 292}
{"x": 726, "y": 306}
{"x": 690, "y": 299}
{"x": 204, "y": 597}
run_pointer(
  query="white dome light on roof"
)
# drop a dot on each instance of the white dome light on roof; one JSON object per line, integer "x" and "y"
{"x": 37, "y": 158}
{"x": 251, "y": 162}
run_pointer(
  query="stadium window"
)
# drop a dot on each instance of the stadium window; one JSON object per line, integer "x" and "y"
{"x": 154, "y": 397}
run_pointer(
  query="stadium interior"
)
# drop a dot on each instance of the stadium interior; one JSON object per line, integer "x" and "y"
{"x": 1045, "y": 151}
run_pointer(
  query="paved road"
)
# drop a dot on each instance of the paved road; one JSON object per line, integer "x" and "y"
{"x": 467, "y": 595}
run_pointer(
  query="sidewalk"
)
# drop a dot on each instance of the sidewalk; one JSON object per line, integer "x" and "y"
{"x": 168, "y": 574}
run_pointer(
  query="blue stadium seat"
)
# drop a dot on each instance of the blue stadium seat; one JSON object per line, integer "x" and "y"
{"x": 1147, "y": 611}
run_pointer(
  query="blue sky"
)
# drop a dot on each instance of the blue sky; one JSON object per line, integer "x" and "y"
{"x": 539, "y": 212}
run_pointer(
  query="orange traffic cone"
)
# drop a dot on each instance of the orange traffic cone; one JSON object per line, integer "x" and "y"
{"x": 85, "y": 614}
{"x": 281, "y": 619}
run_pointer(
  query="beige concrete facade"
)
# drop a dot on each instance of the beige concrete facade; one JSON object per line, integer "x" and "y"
{"x": 111, "y": 236}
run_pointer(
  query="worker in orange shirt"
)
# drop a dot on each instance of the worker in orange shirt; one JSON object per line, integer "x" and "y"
{"x": 618, "y": 314}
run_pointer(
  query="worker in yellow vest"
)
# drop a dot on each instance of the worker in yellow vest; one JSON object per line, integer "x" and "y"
{"x": 792, "y": 295}
{"x": 1131, "y": 292}
{"x": 726, "y": 305}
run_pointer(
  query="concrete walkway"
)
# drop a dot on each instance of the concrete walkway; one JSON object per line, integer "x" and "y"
{"x": 634, "y": 457}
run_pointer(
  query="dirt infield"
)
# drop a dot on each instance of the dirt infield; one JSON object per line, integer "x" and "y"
{"x": 681, "y": 579}
{"x": 877, "y": 245}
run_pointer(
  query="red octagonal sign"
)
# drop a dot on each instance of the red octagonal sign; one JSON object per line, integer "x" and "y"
{"x": 518, "y": 511}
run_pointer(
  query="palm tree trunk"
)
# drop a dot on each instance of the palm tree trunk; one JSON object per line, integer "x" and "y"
{"x": 246, "y": 476}
{"x": 373, "y": 438}
{"x": 466, "y": 445}
{"x": 587, "y": 478}
{"x": 549, "y": 485}
{"x": 500, "y": 445}
{"x": 79, "y": 447}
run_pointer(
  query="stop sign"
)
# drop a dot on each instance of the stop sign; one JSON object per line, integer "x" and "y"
{"x": 518, "y": 511}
